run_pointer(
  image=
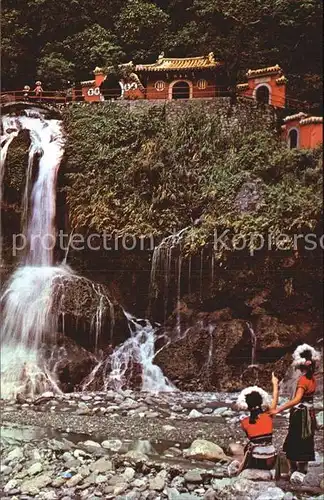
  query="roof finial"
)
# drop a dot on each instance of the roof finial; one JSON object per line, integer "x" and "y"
{"x": 161, "y": 56}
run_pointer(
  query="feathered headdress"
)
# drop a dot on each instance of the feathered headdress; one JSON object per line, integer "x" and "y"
{"x": 304, "y": 355}
{"x": 241, "y": 400}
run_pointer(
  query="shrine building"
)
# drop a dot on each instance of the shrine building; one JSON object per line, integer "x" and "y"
{"x": 167, "y": 78}
{"x": 302, "y": 131}
{"x": 265, "y": 85}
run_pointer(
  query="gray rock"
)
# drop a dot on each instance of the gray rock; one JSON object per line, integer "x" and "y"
{"x": 210, "y": 495}
{"x": 297, "y": 478}
{"x": 58, "y": 482}
{"x": 5, "y": 470}
{"x": 101, "y": 479}
{"x": 202, "y": 449}
{"x": 314, "y": 477}
{"x": 219, "y": 411}
{"x": 272, "y": 494}
{"x": 101, "y": 465}
{"x": 112, "y": 444}
{"x": 320, "y": 419}
{"x": 74, "y": 481}
{"x": 15, "y": 454}
{"x": 195, "y": 414}
{"x": 158, "y": 482}
{"x": 35, "y": 484}
{"x": 168, "y": 428}
{"x": 193, "y": 476}
{"x": 136, "y": 456}
{"x": 188, "y": 496}
{"x": 256, "y": 475}
{"x": 10, "y": 485}
{"x": 35, "y": 469}
{"x": 120, "y": 488}
{"x": 91, "y": 444}
{"x": 128, "y": 474}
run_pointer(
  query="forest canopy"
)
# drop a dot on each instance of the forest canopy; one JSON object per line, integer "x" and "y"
{"x": 62, "y": 42}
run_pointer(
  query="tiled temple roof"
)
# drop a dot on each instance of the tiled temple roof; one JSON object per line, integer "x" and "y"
{"x": 311, "y": 119}
{"x": 88, "y": 82}
{"x": 297, "y": 116}
{"x": 252, "y": 73}
{"x": 187, "y": 63}
{"x": 242, "y": 86}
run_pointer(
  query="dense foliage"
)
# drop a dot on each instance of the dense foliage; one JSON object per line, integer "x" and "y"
{"x": 152, "y": 171}
{"x": 63, "y": 41}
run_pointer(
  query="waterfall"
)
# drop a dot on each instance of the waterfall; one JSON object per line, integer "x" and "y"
{"x": 254, "y": 345}
{"x": 135, "y": 353}
{"x": 161, "y": 265}
{"x": 27, "y": 318}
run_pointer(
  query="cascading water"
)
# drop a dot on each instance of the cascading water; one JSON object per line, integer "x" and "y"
{"x": 138, "y": 350}
{"x": 27, "y": 317}
{"x": 254, "y": 345}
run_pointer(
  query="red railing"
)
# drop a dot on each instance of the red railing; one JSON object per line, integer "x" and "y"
{"x": 78, "y": 95}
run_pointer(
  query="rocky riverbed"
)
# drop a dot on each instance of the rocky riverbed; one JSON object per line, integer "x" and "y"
{"x": 132, "y": 445}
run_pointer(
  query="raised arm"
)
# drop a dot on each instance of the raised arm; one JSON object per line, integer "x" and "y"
{"x": 293, "y": 402}
{"x": 275, "y": 392}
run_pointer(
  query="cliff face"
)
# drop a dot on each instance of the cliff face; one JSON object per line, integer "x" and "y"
{"x": 139, "y": 173}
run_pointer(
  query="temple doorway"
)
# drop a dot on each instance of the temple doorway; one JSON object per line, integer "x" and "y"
{"x": 263, "y": 95}
{"x": 181, "y": 90}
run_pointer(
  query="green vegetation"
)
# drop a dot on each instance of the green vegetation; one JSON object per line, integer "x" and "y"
{"x": 152, "y": 172}
{"x": 65, "y": 40}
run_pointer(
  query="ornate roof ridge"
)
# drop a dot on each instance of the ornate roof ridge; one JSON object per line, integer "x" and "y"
{"x": 296, "y": 116}
{"x": 264, "y": 71}
{"x": 311, "y": 119}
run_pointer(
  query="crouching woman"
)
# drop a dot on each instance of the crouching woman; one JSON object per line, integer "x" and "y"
{"x": 259, "y": 452}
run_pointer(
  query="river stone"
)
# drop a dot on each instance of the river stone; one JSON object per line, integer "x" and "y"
{"x": 112, "y": 444}
{"x": 297, "y": 478}
{"x": 136, "y": 456}
{"x": 272, "y": 494}
{"x": 320, "y": 419}
{"x": 74, "y": 481}
{"x": 256, "y": 475}
{"x": 101, "y": 465}
{"x": 5, "y": 470}
{"x": 35, "y": 484}
{"x": 129, "y": 473}
{"x": 195, "y": 414}
{"x": 15, "y": 454}
{"x": 10, "y": 485}
{"x": 158, "y": 482}
{"x": 35, "y": 469}
{"x": 193, "y": 476}
{"x": 202, "y": 449}
{"x": 120, "y": 488}
{"x": 210, "y": 495}
{"x": 91, "y": 444}
{"x": 168, "y": 428}
{"x": 313, "y": 477}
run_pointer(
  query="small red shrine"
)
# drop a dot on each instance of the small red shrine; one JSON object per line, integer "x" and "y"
{"x": 302, "y": 131}
{"x": 266, "y": 85}
{"x": 167, "y": 78}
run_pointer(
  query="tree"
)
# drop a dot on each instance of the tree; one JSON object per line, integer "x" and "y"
{"x": 143, "y": 29}
{"x": 55, "y": 71}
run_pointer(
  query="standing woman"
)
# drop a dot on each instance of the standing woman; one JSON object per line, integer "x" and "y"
{"x": 299, "y": 443}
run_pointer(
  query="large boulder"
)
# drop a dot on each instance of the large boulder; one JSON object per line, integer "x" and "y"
{"x": 201, "y": 449}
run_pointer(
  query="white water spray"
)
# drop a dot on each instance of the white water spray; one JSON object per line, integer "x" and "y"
{"x": 27, "y": 318}
{"x": 138, "y": 350}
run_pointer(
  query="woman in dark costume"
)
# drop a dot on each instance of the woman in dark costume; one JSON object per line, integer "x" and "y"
{"x": 259, "y": 452}
{"x": 299, "y": 443}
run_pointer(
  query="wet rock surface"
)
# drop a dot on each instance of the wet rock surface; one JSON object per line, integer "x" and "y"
{"x": 130, "y": 445}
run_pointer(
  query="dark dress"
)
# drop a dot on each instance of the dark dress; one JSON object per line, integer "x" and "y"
{"x": 299, "y": 443}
